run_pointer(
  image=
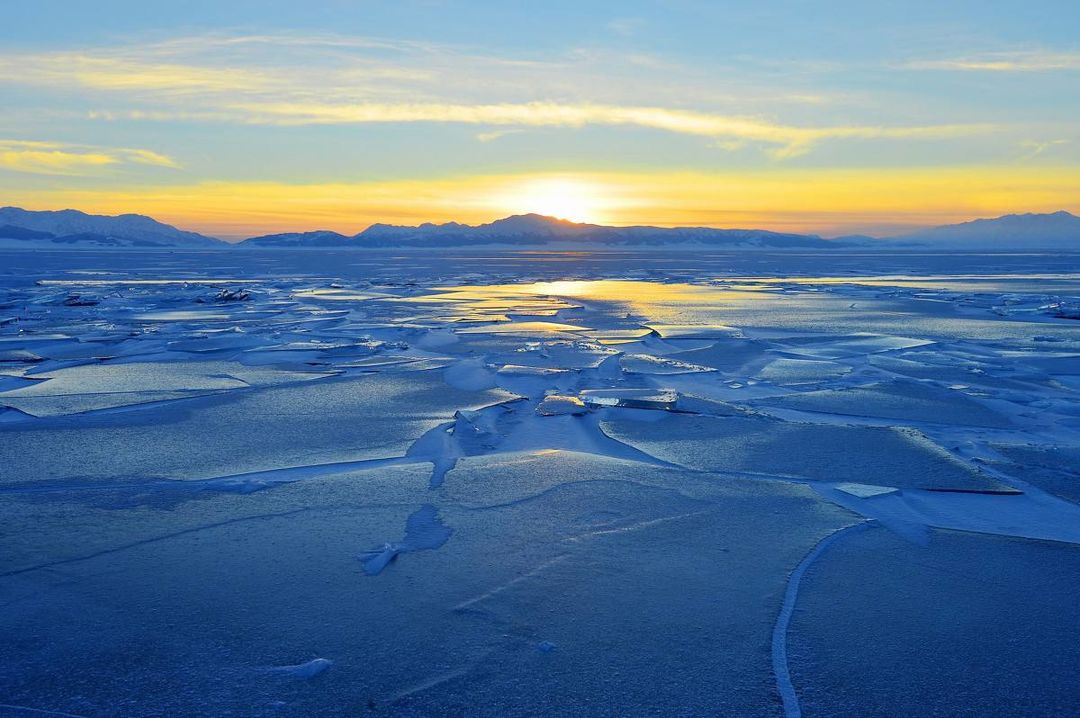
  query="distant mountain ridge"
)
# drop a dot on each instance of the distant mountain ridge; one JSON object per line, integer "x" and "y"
{"x": 316, "y": 238}
{"x": 1057, "y": 230}
{"x": 70, "y": 227}
{"x": 74, "y": 229}
{"x": 533, "y": 229}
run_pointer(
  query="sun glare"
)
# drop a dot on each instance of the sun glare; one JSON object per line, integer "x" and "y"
{"x": 569, "y": 199}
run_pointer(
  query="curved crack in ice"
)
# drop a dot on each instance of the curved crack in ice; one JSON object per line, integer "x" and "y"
{"x": 783, "y": 621}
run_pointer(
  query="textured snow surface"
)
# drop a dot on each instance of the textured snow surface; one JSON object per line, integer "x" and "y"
{"x": 288, "y": 483}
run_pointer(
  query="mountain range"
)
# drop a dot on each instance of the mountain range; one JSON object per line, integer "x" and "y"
{"x": 71, "y": 228}
{"x": 535, "y": 229}
{"x": 1057, "y": 230}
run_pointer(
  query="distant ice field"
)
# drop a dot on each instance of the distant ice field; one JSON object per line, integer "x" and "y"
{"x": 294, "y": 483}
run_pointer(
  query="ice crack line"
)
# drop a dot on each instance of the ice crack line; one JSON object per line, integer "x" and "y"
{"x": 38, "y": 711}
{"x": 144, "y": 542}
{"x": 779, "y": 636}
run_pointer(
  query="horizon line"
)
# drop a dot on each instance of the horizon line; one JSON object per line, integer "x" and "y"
{"x": 239, "y": 238}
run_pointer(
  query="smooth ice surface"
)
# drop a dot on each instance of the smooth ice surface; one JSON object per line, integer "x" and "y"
{"x": 900, "y": 400}
{"x": 965, "y": 625}
{"x": 334, "y": 420}
{"x": 289, "y": 483}
{"x": 763, "y": 447}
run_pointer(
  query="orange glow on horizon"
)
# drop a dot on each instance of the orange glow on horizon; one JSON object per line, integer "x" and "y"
{"x": 822, "y": 201}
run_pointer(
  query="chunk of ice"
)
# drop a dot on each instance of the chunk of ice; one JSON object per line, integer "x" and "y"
{"x": 649, "y": 364}
{"x": 519, "y": 370}
{"x": 865, "y": 491}
{"x": 556, "y": 405}
{"x": 631, "y": 398}
{"x": 304, "y": 670}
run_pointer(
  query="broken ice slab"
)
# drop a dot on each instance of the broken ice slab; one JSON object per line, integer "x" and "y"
{"x": 557, "y": 405}
{"x": 520, "y": 370}
{"x": 663, "y": 399}
{"x": 786, "y": 372}
{"x": 232, "y": 295}
{"x": 1055, "y": 468}
{"x": 865, "y": 491}
{"x": 649, "y": 364}
{"x": 621, "y": 336}
{"x": 695, "y": 331}
{"x": 902, "y": 400}
{"x": 387, "y": 360}
{"x": 22, "y": 338}
{"x": 20, "y": 356}
{"x": 832, "y": 453}
{"x": 711, "y": 407}
{"x": 839, "y": 347}
{"x": 729, "y": 355}
{"x": 1064, "y": 309}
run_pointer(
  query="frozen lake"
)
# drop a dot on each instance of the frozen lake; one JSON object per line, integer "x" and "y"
{"x": 294, "y": 483}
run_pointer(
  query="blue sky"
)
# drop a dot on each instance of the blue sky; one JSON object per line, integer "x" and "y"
{"x": 243, "y": 117}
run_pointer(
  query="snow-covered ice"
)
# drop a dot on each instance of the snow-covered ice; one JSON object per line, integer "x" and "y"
{"x": 739, "y": 483}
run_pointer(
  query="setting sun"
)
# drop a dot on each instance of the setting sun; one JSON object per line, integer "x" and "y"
{"x": 575, "y": 200}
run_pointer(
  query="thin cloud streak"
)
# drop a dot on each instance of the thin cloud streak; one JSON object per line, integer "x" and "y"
{"x": 1003, "y": 62}
{"x": 791, "y": 140}
{"x": 283, "y": 80}
{"x": 64, "y": 159}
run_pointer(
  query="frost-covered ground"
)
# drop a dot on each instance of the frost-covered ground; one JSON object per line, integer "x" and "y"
{"x": 316, "y": 483}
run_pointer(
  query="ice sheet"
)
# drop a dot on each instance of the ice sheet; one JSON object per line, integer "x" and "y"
{"x": 786, "y": 482}
{"x": 968, "y": 624}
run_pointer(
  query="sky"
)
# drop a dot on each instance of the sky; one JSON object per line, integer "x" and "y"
{"x": 255, "y": 116}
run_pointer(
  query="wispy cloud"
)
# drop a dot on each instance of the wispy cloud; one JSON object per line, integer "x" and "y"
{"x": 785, "y": 140}
{"x": 493, "y": 135}
{"x": 309, "y": 80}
{"x": 1034, "y": 148}
{"x": 58, "y": 158}
{"x": 120, "y": 74}
{"x": 1021, "y": 61}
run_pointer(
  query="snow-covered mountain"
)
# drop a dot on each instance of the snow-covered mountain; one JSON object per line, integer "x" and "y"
{"x": 535, "y": 229}
{"x": 317, "y": 238}
{"x": 72, "y": 228}
{"x": 1059, "y": 230}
